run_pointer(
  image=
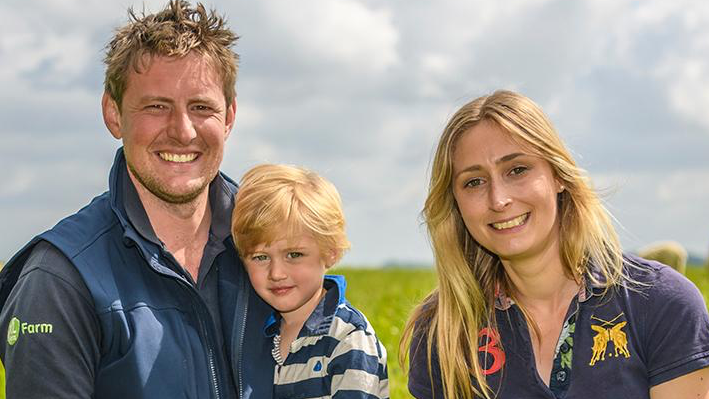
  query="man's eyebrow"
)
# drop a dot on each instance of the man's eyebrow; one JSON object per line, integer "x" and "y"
{"x": 503, "y": 159}
{"x": 149, "y": 99}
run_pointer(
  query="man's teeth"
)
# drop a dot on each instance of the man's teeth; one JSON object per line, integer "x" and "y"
{"x": 180, "y": 158}
{"x": 511, "y": 223}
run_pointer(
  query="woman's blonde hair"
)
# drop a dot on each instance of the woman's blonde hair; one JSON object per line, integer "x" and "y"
{"x": 468, "y": 275}
{"x": 276, "y": 201}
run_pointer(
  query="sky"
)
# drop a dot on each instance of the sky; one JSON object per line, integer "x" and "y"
{"x": 360, "y": 90}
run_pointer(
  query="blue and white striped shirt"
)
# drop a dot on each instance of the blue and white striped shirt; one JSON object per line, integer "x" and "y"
{"x": 336, "y": 355}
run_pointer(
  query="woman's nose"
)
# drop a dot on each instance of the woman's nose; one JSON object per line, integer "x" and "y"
{"x": 500, "y": 197}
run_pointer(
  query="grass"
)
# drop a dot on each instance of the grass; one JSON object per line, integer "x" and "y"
{"x": 700, "y": 277}
{"x": 387, "y": 296}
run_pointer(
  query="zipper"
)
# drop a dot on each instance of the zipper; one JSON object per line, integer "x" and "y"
{"x": 196, "y": 300}
{"x": 242, "y": 302}
{"x": 213, "y": 371}
{"x": 210, "y": 360}
{"x": 196, "y": 303}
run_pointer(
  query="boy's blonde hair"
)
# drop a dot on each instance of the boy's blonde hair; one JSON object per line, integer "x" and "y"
{"x": 277, "y": 197}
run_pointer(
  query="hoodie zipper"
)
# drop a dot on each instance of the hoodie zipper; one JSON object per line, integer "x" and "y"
{"x": 205, "y": 335}
{"x": 241, "y": 302}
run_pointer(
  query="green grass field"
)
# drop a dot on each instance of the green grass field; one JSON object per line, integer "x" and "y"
{"x": 387, "y": 296}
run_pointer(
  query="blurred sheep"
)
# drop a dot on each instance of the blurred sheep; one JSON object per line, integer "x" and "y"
{"x": 670, "y": 253}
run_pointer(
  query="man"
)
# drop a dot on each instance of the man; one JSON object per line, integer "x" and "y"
{"x": 141, "y": 294}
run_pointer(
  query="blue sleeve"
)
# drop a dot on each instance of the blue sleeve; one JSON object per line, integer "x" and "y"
{"x": 677, "y": 328}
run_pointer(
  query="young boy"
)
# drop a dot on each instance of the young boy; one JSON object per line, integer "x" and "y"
{"x": 289, "y": 228}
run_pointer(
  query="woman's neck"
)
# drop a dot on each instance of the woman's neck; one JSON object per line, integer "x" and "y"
{"x": 541, "y": 283}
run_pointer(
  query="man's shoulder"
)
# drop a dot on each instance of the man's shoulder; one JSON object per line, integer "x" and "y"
{"x": 48, "y": 258}
{"x": 47, "y": 269}
{"x": 73, "y": 233}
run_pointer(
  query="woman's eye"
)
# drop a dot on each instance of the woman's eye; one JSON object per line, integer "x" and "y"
{"x": 293, "y": 255}
{"x": 474, "y": 182}
{"x": 518, "y": 170}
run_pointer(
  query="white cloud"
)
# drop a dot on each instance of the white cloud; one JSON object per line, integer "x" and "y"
{"x": 342, "y": 32}
{"x": 359, "y": 90}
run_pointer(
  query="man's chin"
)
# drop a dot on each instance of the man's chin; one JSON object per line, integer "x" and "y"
{"x": 176, "y": 198}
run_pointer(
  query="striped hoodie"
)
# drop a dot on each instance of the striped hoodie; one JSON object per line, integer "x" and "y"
{"x": 336, "y": 355}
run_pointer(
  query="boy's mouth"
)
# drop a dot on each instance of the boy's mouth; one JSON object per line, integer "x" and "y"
{"x": 280, "y": 290}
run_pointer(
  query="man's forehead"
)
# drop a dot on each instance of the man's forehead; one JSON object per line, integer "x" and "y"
{"x": 146, "y": 61}
{"x": 155, "y": 73}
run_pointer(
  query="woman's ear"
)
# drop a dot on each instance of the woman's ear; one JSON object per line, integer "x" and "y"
{"x": 559, "y": 186}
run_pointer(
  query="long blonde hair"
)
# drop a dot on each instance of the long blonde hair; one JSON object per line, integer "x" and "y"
{"x": 468, "y": 274}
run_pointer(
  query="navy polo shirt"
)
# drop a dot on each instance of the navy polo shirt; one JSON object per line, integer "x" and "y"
{"x": 616, "y": 345}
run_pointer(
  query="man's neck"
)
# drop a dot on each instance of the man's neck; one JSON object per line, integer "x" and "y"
{"x": 183, "y": 228}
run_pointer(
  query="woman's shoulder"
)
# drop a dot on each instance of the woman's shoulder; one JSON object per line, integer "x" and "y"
{"x": 660, "y": 283}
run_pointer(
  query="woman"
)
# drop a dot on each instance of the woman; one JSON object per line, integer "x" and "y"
{"x": 535, "y": 298}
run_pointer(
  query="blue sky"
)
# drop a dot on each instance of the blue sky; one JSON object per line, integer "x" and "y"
{"x": 359, "y": 90}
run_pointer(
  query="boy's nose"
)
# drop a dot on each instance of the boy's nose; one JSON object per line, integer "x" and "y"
{"x": 277, "y": 271}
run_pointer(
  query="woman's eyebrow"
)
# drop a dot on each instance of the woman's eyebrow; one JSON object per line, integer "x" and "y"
{"x": 503, "y": 159}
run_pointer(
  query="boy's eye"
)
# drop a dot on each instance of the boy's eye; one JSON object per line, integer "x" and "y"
{"x": 260, "y": 258}
{"x": 293, "y": 255}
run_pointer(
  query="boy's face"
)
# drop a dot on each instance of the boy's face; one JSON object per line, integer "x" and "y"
{"x": 288, "y": 275}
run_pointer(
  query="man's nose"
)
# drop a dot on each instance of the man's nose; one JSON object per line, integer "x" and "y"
{"x": 181, "y": 128}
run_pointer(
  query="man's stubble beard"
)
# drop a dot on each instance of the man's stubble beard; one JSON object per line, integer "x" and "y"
{"x": 155, "y": 188}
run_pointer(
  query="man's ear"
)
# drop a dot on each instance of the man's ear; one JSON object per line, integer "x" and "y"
{"x": 230, "y": 120}
{"x": 111, "y": 115}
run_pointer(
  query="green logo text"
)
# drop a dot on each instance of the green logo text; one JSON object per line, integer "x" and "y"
{"x": 17, "y": 328}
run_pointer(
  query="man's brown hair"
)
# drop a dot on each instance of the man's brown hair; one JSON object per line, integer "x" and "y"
{"x": 172, "y": 32}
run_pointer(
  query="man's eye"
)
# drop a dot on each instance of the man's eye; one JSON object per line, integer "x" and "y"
{"x": 293, "y": 255}
{"x": 155, "y": 108}
{"x": 202, "y": 108}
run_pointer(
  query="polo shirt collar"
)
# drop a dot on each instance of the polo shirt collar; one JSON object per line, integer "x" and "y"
{"x": 503, "y": 301}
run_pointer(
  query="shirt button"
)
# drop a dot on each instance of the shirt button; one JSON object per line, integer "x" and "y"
{"x": 561, "y": 376}
{"x": 564, "y": 347}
